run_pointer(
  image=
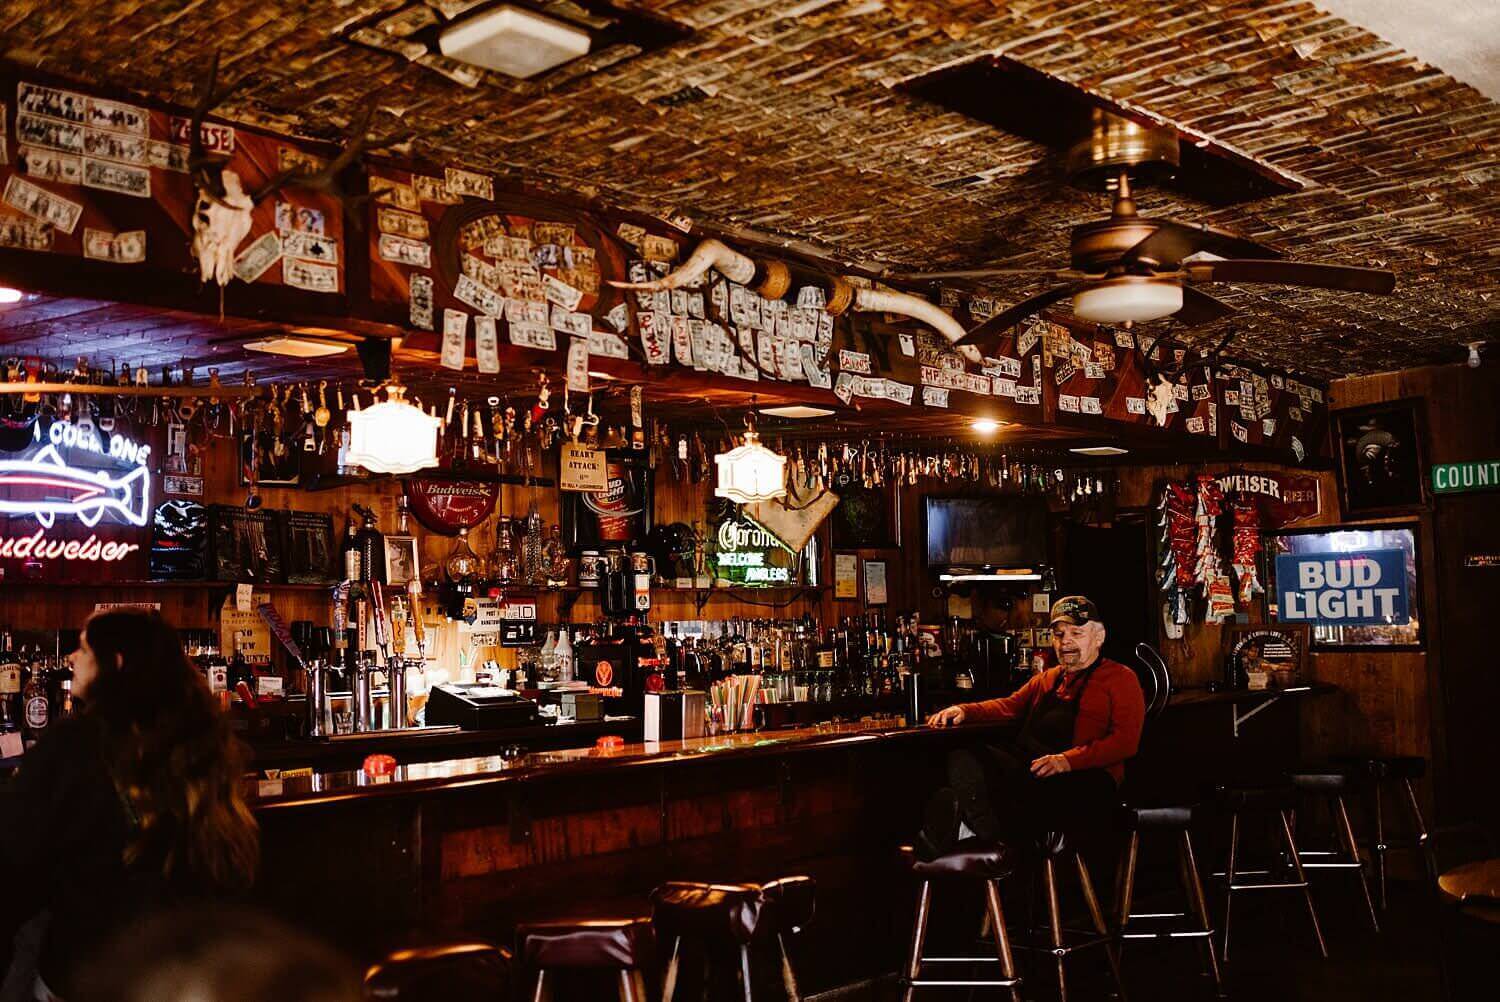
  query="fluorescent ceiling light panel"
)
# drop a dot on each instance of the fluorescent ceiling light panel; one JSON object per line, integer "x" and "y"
{"x": 989, "y": 577}
{"x": 296, "y": 347}
{"x": 797, "y": 411}
{"x": 1100, "y": 450}
{"x": 513, "y": 41}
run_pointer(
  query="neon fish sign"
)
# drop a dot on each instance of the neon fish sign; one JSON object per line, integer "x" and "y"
{"x": 48, "y": 487}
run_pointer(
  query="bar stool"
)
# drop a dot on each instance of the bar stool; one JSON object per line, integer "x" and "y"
{"x": 1277, "y": 801}
{"x": 461, "y": 970}
{"x": 1062, "y": 942}
{"x": 1386, "y": 769}
{"x": 623, "y": 944}
{"x": 722, "y": 919}
{"x": 971, "y": 860}
{"x": 1173, "y": 819}
{"x": 1333, "y": 784}
{"x": 789, "y": 906}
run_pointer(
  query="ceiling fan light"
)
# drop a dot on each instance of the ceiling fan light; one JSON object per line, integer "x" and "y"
{"x": 1127, "y": 302}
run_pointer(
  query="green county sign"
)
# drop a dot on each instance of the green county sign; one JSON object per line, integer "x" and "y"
{"x": 1458, "y": 478}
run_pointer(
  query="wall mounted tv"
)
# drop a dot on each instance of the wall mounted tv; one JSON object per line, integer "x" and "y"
{"x": 1008, "y": 532}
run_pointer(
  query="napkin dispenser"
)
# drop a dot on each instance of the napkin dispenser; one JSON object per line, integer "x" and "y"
{"x": 669, "y": 716}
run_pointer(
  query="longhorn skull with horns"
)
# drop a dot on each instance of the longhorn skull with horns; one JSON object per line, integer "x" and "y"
{"x": 221, "y": 216}
{"x": 772, "y": 279}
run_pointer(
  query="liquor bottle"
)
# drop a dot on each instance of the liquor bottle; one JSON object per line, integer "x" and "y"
{"x": 547, "y": 666}
{"x": 673, "y": 651}
{"x": 10, "y": 686}
{"x": 38, "y": 707}
{"x": 349, "y": 554}
{"x": 564, "y": 653}
{"x": 371, "y": 543}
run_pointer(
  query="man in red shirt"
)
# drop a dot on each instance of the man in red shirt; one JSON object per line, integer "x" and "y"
{"x": 1076, "y": 724}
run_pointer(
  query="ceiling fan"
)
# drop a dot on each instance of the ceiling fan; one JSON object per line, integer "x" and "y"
{"x": 1130, "y": 269}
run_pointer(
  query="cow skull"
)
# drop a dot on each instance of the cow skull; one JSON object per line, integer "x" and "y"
{"x": 219, "y": 224}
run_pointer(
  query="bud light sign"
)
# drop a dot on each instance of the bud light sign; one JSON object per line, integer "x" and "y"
{"x": 1362, "y": 588}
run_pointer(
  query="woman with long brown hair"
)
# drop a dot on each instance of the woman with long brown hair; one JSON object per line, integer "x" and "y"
{"x": 132, "y": 804}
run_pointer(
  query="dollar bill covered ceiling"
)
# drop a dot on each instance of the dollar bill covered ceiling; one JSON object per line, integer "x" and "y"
{"x": 795, "y": 121}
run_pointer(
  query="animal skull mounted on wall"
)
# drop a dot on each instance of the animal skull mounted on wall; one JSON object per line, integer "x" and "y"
{"x": 222, "y": 212}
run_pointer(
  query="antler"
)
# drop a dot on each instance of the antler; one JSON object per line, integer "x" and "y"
{"x": 326, "y": 179}
{"x": 206, "y": 170}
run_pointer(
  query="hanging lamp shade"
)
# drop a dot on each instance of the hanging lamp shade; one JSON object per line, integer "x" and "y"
{"x": 750, "y": 472}
{"x": 393, "y": 436}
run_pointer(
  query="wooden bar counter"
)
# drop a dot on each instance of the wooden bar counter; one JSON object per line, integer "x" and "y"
{"x": 471, "y": 846}
{"x": 476, "y": 845}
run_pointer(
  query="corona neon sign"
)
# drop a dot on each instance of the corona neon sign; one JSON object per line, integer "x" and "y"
{"x": 44, "y": 486}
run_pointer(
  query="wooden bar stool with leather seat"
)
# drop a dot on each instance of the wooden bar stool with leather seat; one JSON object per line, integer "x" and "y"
{"x": 1177, "y": 819}
{"x": 1275, "y": 803}
{"x": 1061, "y": 941}
{"x": 975, "y": 861}
{"x": 441, "y": 973}
{"x": 1333, "y": 784}
{"x": 622, "y": 944}
{"x": 1393, "y": 769}
{"x": 789, "y": 904}
{"x": 719, "y": 919}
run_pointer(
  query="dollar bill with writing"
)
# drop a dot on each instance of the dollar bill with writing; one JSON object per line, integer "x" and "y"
{"x": 123, "y": 178}
{"x": 310, "y": 276}
{"x": 413, "y": 253}
{"x": 255, "y": 260}
{"x": 50, "y": 165}
{"x": 402, "y": 224}
{"x": 421, "y": 302}
{"x": 469, "y": 183}
{"x": 125, "y": 248}
{"x": 433, "y": 189}
{"x": 42, "y": 204}
{"x": 310, "y": 246}
{"x": 24, "y": 233}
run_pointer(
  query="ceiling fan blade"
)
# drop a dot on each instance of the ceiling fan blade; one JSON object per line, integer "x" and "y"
{"x": 1199, "y": 307}
{"x": 1314, "y": 276}
{"x": 1003, "y": 321}
{"x": 933, "y": 276}
{"x": 1173, "y": 241}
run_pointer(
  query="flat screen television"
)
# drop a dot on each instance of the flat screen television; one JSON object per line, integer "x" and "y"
{"x": 1006, "y": 532}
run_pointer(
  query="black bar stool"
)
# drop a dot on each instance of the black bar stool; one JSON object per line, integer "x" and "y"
{"x": 460, "y": 970}
{"x": 1402, "y": 770}
{"x": 1276, "y": 802}
{"x": 971, "y": 860}
{"x": 789, "y": 906}
{"x": 1333, "y": 784}
{"x": 1176, "y": 819}
{"x": 721, "y": 919}
{"x": 622, "y": 944}
{"x": 1062, "y": 942}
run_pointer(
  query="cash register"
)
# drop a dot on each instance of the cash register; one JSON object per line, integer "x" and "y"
{"x": 478, "y": 706}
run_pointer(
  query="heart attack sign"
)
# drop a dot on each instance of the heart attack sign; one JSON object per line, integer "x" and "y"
{"x": 1364, "y": 588}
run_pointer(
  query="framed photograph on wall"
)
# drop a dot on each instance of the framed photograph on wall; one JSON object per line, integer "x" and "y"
{"x": 1265, "y": 655}
{"x": 403, "y": 560}
{"x": 1381, "y": 451}
{"x": 866, "y": 518}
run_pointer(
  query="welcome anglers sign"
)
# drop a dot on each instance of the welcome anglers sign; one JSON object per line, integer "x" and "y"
{"x": 1364, "y": 588}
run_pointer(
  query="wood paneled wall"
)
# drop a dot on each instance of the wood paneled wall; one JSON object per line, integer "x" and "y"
{"x": 1390, "y": 702}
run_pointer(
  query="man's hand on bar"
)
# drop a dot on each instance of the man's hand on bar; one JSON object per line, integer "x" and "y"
{"x": 1050, "y": 765}
{"x": 949, "y": 717}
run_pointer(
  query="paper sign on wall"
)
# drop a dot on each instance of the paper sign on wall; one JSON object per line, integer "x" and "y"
{"x": 581, "y": 469}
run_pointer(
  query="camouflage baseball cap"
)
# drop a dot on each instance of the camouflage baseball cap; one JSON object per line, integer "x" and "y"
{"x": 1075, "y": 609}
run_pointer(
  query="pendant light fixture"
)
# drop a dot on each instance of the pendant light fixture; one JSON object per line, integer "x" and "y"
{"x": 393, "y": 436}
{"x": 750, "y": 472}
